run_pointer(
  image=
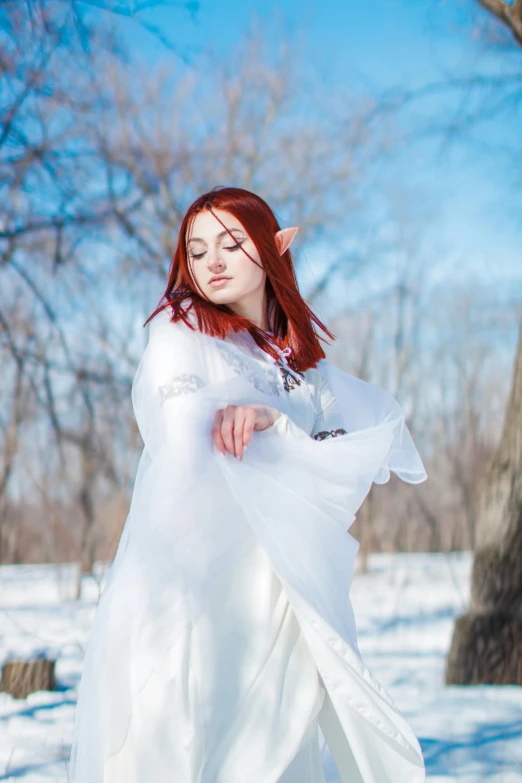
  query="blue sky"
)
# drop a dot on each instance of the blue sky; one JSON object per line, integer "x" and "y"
{"x": 377, "y": 46}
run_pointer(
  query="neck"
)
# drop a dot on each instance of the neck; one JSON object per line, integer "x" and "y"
{"x": 254, "y": 307}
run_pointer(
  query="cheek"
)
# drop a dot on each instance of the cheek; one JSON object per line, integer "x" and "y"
{"x": 197, "y": 272}
{"x": 247, "y": 270}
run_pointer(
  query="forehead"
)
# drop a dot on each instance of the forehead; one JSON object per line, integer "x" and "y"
{"x": 205, "y": 226}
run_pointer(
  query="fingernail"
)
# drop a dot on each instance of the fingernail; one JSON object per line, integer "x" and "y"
{"x": 245, "y": 448}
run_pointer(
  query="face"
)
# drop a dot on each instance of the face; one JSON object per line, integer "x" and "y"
{"x": 211, "y": 251}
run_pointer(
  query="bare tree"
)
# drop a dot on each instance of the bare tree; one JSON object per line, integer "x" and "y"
{"x": 51, "y": 208}
{"x": 117, "y": 152}
{"x": 100, "y": 159}
{"x": 437, "y": 348}
{"x": 487, "y": 641}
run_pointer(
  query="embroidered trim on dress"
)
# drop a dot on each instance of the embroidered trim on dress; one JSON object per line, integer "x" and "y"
{"x": 180, "y": 384}
{"x": 290, "y": 380}
{"x": 329, "y": 434}
{"x": 267, "y": 379}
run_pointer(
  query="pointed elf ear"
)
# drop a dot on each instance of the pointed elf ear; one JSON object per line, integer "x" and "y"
{"x": 284, "y": 238}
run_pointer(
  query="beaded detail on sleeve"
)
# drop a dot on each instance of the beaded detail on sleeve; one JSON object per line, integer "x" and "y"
{"x": 329, "y": 434}
{"x": 186, "y": 383}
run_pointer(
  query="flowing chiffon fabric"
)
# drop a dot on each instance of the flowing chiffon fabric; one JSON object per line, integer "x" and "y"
{"x": 225, "y": 633}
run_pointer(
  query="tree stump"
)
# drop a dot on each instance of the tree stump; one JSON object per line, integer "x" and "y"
{"x": 22, "y": 677}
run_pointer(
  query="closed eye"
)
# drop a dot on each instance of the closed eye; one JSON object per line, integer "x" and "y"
{"x": 231, "y": 249}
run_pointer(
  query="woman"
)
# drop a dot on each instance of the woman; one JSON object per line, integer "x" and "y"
{"x": 225, "y": 637}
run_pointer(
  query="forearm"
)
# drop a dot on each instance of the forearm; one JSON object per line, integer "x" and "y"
{"x": 323, "y": 428}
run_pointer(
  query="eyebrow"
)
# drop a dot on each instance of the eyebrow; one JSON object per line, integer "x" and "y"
{"x": 221, "y": 234}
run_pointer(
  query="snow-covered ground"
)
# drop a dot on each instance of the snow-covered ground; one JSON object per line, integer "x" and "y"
{"x": 405, "y": 608}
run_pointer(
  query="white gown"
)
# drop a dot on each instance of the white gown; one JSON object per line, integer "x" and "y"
{"x": 238, "y": 692}
{"x": 252, "y": 635}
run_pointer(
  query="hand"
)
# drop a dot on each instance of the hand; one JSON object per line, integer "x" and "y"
{"x": 233, "y": 426}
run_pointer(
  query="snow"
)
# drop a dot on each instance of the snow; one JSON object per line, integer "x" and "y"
{"x": 405, "y": 606}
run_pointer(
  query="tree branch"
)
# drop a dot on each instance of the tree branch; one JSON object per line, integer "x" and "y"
{"x": 508, "y": 13}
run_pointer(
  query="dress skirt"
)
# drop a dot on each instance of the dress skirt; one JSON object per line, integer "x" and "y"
{"x": 244, "y": 663}
{"x": 307, "y": 766}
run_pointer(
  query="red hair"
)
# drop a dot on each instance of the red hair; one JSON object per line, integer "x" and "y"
{"x": 291, "y": 316}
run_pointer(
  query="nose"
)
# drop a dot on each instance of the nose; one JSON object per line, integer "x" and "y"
{"x": 214, "y": 260}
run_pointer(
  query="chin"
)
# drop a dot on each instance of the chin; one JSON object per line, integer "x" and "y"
{"x": 223, "y": 297}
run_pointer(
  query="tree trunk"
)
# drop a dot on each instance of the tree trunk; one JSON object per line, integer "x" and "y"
{"x": 487, "y": 641}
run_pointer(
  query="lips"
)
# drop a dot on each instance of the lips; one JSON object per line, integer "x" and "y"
{"x": 217, "y": 281}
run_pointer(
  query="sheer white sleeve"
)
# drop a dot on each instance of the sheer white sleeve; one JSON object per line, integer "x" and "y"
{"x": 329, "y": 420}
{"x": 344, "y": 405}
{"x": 328, "y": 415}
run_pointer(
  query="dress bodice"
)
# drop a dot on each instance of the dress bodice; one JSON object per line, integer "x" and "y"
{"x": 309, "y": 403}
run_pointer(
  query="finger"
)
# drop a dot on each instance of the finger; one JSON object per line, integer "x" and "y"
{"x": 227, "y": 428}
{"x": 216, "y": 431}
{"x": 263, "y": 418}
{"x": 248, "y": 429}
{"x": 239, "y": 424}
